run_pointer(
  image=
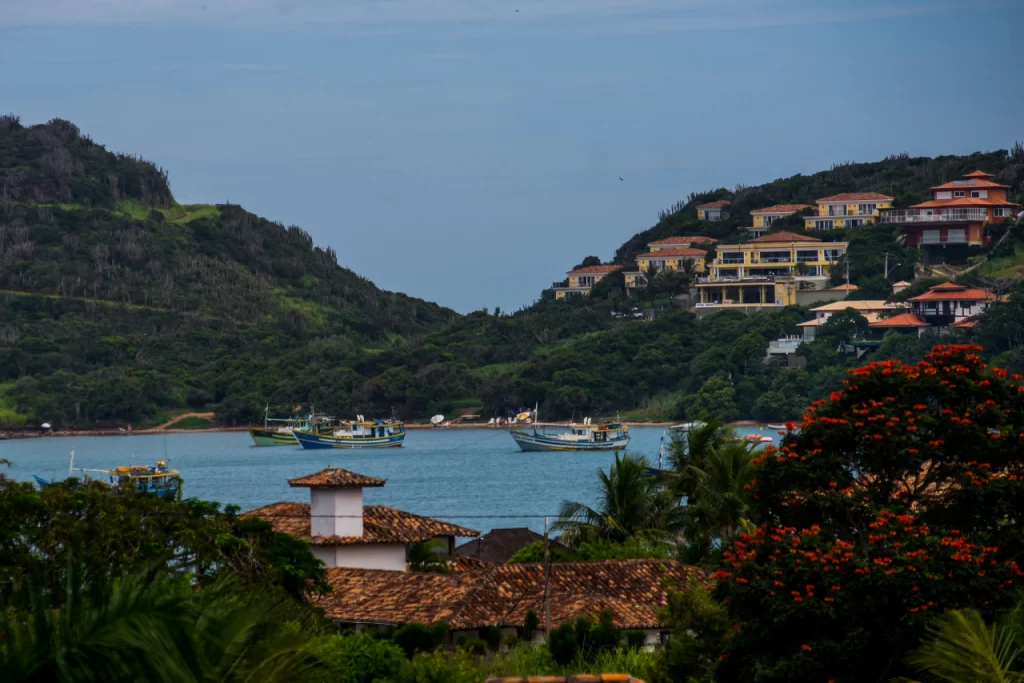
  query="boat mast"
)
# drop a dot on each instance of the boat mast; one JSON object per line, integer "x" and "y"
{"x": 71, "y": 467}
{"x": 266, "y": 417}
{"x": 536, "y": 416}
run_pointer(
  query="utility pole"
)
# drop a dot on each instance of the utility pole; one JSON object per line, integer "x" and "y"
{"x": 847, "y": 272}
{"x": 887, "y": 265}
{"x": 547, "y": 583}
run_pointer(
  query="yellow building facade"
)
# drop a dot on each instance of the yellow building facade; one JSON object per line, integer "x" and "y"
{"x": 848, "y": 210}
{"x": 666, "y": 258}
{"x": 763, "y": 218}
{"x": 767, "y": 271}
{"x": 713, "y": 211}
{"x": 580, "y": 281}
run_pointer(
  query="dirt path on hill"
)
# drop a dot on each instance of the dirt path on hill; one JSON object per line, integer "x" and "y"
{"x": 160, "y": 428}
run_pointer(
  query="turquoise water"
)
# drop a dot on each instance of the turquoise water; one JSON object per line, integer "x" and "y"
{"x": 475, "y": 477}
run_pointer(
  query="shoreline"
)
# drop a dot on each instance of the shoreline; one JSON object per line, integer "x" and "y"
{"x": 410, "y": 426}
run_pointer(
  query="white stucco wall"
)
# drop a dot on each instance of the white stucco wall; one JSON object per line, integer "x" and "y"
{"x": 336, "y": 512}
{"x": 377, "y": 556}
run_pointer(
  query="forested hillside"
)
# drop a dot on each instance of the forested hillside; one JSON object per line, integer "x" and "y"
{"x": 118, "y": 306}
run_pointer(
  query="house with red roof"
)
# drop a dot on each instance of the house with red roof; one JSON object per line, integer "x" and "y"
{"x": 713, "y": 211}
{"x": 949, "y": 303}
{"x": 848, "y": 210}
{"x": 763, "y": 218}
{"x": 671, "y": 253}
{"x": 579, "y": 281}
{"x": 342, "y": 532}
{"x": 957, "y": 215}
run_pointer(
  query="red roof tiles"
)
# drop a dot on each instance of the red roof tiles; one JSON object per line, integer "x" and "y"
{"x": 901, "y": 320}
{"x": 960, "y": 201}
{"x": 950, "y": 291}
{"x": 782, "y": 208}
{"x": 845, "y": 288}
{"x": 784, "y": 237}
{"x": 336, "y": 478}
{"x": 856, "y": 197}
{"x": 634, "y": 591}
{"x": 973, "y": 183}
{"x": 721, "y": 203}
{"x": 979, "y": 174}
{"x": 661, "y": 253}
{"x": 611, "y": 268}
{"x": 381, "y": 524}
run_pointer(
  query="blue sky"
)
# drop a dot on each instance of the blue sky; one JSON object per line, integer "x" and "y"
{"x": 467, "y": 153}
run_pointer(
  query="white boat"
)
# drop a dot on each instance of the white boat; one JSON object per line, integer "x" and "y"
{"x": 609, "y": 436}
{"x": 680, "y": 430}
{"x": 358, "y": 433}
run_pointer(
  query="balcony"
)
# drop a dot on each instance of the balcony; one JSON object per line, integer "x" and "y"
{"x": 942, "y": 216}
{"x": 764, "y": 279}
{"x": 772, "y": 259}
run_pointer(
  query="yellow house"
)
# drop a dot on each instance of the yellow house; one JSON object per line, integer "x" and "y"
{"x": 665, "y": 258}
{"x": 763, "y": 218}
{"x": 767, "y": 271}
{"x": 848, "y": 210}
{"x": 581, "y": 280}
{"x": 713, "y": 211}
{"x": 683, "y": 242}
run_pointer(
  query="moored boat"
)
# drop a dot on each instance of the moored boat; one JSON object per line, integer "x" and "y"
{"x": 157, "y": 479}
{"x": 356, "y": 434}
{"x": 573, "y": 437}
{"x": 278, "y": 431}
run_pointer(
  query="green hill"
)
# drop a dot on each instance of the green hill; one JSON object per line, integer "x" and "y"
{"x": 118, "y": 305}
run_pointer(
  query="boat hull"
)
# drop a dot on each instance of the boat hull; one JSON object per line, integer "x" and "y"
{"x": 269, "y": 437}
{"x": 529, "y": 441}
{"x": 323, "y": 441}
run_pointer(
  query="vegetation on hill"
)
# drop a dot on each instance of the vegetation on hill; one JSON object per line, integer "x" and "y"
{"x": 118, "y": 305}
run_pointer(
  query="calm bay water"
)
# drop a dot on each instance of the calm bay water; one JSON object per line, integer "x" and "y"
{"x": 455, "y": 474}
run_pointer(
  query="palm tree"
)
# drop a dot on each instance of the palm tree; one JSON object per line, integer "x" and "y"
{"x": 631, "y": 505}
{"x": 709, "y": 473}
{"x": 651, "y": 274}
{"x": 146, "y": 628}
{"x": 960, "y": 648}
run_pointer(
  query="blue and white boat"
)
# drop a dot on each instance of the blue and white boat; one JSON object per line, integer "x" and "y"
{"x": 609, "y": 436}
{"x": 358, "y": 433}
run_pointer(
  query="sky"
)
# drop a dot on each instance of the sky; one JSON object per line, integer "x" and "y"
{"x": 469, "y": 152}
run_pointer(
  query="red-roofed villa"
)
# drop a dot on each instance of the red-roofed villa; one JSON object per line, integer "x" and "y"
{"x": 848, "y": 210}
{"x": 713, "y": 211}
{"x": 948, "y": 303}
{"x": 580, "y": 281}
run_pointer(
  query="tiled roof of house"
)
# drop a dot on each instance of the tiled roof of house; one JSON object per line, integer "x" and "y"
{"x": 721, "y": 203}
{"x": 785, "y": 237}
{"x": 863, "y": 305}
{"x": 901, "y": 320}
{"x": 672, "y": 251}
{"x": 782, "y": 208}
{"x": 856, "y": 197}
{"x": 499, "y": 545}
{"x": 610, "y": 268}
{"x": 979, "y": 174}
{"x": 845, "y": 288}
{"x": 336, "y": 478}
{"x": 974, "y": 182}
{"x": 968, "y": 322}
{"x": 870, "y": 316}
{"x": 684, "y": 239}
{"x": 381, "y": 524}
{"x": 961, "y": 201}
{"x": 502, "y": 594}
{"x": 951, "y": 291}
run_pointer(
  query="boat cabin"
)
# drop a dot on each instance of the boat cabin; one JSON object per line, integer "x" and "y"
{"x": 371, "y": 430}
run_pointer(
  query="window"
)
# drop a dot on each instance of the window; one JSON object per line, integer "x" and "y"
{"x": 959, "y": 193}
{"x": 866, "y": 209}
{"x": 839, "y": 210}
{"x": 854, "y": 223}
{"x": 833, "y": 254}
{"x": 955, "y": 236}
{"x": 975, "y": 194}
{"x": 996, "y": 213}
{"x": 822, "y": 225}
{"x": 767, "y": 220}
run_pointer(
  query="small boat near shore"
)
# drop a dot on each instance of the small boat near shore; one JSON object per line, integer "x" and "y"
{"x": 277, "y": 431}
{"x": 157, "y": 479}
{"x": 572, "y": 437}
{"x": 357, "y": 433}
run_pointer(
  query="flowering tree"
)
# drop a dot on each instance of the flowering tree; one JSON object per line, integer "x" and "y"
{"x": 899, "y": 497}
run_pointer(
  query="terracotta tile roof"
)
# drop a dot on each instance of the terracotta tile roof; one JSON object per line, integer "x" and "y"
{"x": 721, "y": 203}
{"x": 673, "y": 251}
{"x": 782, "y": 208}
{"x": 784, "y": 237}
{"x": 845, "y": 288}
{"x": 870, "y": 316}
{"x": 684, "y": 239}
{"x": 975, "y": 182}
{"x": 381, "y": 524}
{"x": 979, "y": 174}
{"x": 856, "y": 197}
{"x": 950, "y": 291}
{"x": 502, "y": 594}
{"x": 960, "y": 201}
{"x": 901, "y": 320}
{"x": 336, "y": 478}
{"x": 499, "y": 545}
{"x": 611, "y": 268}
{"x": 863, "y": 305}
{"x": 969, "y": 322}
{"x": 901, "y": 283}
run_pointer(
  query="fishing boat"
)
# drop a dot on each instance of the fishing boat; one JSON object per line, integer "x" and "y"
{"x": 157, "y": 479}
{"x": 608, "y": 436}
{"x": 278, "y": 431}
{"x": 358, "y": 433}
{"x": 660, "y": 470}
{"x": 680, "y": 430}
